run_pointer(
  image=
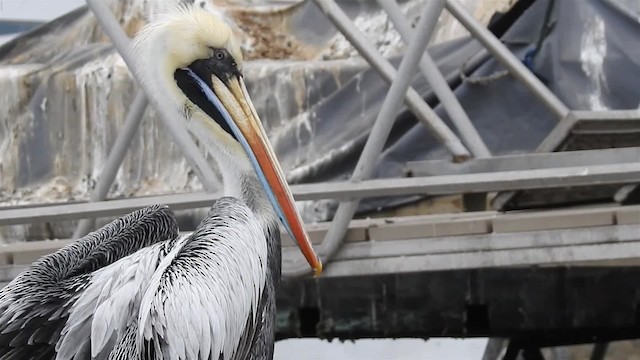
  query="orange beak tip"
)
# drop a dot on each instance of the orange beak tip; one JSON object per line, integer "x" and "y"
{"x": 318, "y": 269}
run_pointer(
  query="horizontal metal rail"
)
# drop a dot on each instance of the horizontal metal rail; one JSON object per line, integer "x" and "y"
{"x": 434, "y": 185}
{"x": 482, "y": 182}
{"x": 597, "y": 122}
{"x": 531, "y": 161}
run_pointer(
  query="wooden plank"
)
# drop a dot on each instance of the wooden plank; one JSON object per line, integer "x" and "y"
{"x": 486, "y": 243}
{"x": 390, "y": 228}
{"x": 557, "y": 219}
{"x": 476, "y": 260}
{"x": 430, "y": 229}
{"x": 317, "y": 232}
{"x": 463, "y": 252}
{"x": 28, "y": 252}
{"x": 8, "y": 272}
{"x": 5, "y": 259}
{"x": 628, "y": 215}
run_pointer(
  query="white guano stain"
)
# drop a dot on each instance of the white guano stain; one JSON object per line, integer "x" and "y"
{"x": 593, "y": 50}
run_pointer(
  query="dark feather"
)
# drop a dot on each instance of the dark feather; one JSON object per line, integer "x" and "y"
{"x": 34, "y": 307}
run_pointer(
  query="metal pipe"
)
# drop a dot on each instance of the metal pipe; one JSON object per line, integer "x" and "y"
{"x": 506, "y": 57}
{"x": 379, "y": 132}
{"x": 428, "y": 185}
{"x": 116, "y": 155}
{"x": 180, "y": 135}
{"x": 430, "y": 70}
{"x": 414, "y": 101}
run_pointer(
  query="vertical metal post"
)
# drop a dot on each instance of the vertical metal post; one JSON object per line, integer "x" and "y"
{"x": 599, "y": 351}
{"x": 182, "y": 138}
{"x": 116, "y": 155}
{"x": 429, "y": 69}
{"x": 512, "y": 352}
{"x": 380, "y": 131}
{"x": 506, "y": 57}
{"x": 414, "y": 101}
{"x": 493, "y": 349}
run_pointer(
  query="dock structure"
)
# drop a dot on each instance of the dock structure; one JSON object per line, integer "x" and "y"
{"x": 553, "y": 259}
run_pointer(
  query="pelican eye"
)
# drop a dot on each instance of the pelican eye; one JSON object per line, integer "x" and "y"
{"x": 219, "y": 54}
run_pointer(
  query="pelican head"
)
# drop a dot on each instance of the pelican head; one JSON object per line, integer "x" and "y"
{"x": 191, "y": 58}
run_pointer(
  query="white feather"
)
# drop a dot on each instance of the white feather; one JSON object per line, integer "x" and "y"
{"x": 108, "y": 303}
{"x": 221, "y": 288}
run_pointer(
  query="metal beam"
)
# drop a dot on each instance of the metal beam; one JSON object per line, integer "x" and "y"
{"x": 482, "y": 182}
{"x": 185, "y": 143}
{"x": 379, "y": 132}
{"x": 413, "y": 100}
{"x": 580, "y": 122}
{"x": 116, "y": 155}
{"x": 521, "y": 162}
{"x": 434, "y": 185}
{"x": 103, "y": 208}
{"x": 439, "y": 84}
{"x": 607, "y": 115}
{"x": 506, "y": 57}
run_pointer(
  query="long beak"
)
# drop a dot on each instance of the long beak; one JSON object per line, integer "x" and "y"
{"x": 234, "y": 103}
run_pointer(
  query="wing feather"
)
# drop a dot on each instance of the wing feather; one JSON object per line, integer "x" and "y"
{"x": 36, "y": 305}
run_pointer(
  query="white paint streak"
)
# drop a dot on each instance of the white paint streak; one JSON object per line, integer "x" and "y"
{"x": 593, "y": 49}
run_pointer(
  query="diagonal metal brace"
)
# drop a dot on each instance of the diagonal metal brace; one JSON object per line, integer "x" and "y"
{"x": 180, "y": 135}
{"x": 116, "y": 155}
{"x": 506, "y": 57}
{"x": 414, "y": 101}
{"x": 379, "y": 132}
{"x": 429, "y": 69}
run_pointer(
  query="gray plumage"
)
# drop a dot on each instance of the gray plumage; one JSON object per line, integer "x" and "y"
{"x": 34, "y": 307}
{"x": 135, "y": 290}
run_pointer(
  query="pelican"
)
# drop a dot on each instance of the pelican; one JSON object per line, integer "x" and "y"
{"x": 135, "y": 289}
